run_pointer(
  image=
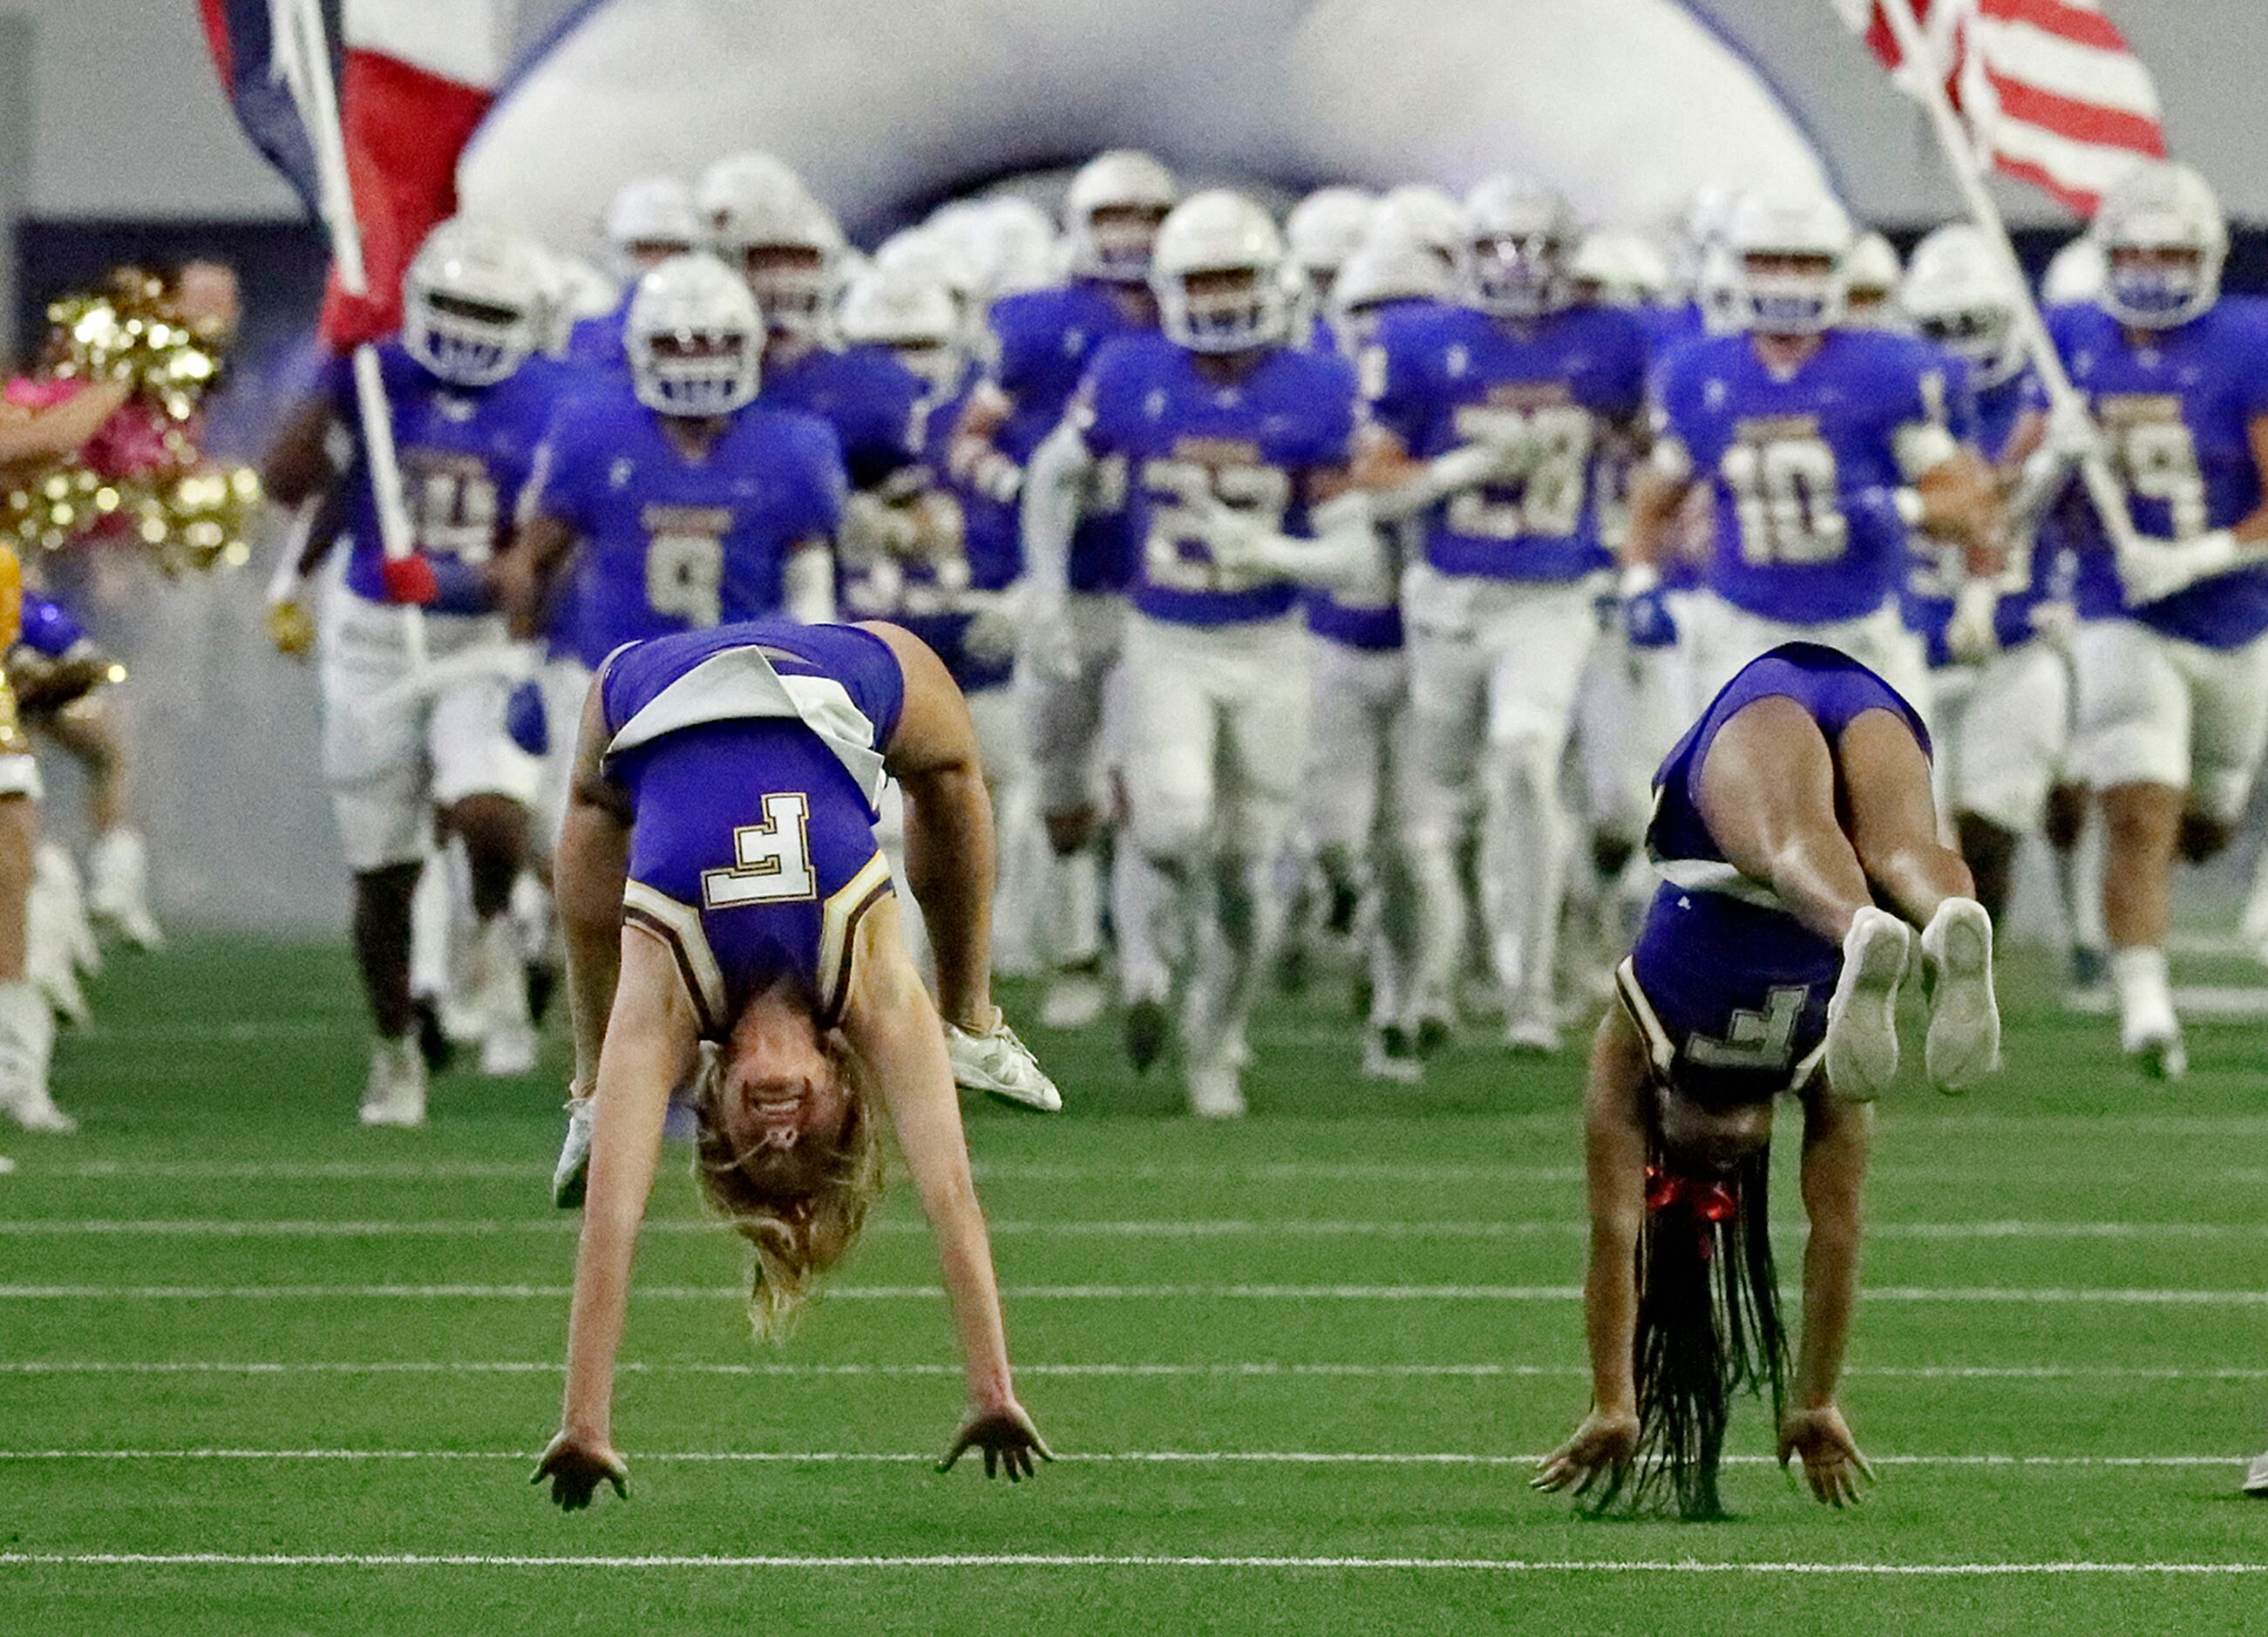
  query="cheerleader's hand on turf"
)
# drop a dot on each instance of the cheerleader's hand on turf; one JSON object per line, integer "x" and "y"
{"x": 1007, "y": 1437}
{"x": 577, "y": 1465}
{"x": 1603, "y": 1446}
{"x": 1832, "y": 1464}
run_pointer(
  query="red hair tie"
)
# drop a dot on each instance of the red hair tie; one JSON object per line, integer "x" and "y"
{"x": 1706, "y": 1203}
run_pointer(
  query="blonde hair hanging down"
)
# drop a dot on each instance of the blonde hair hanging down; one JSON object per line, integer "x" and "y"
{"x": 795, "y": 1233}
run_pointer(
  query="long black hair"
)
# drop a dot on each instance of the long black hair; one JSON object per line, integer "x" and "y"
{"x": 1708, "y": 1328}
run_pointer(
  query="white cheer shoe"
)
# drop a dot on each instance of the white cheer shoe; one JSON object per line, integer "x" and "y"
{"x": 1000, "y": 1065}
{"x": 27, "y": 1038}
{"x": 118, "y": 887}
{"x": 573, "y": 1175}
{"x": 395, "y": 1094}
{"x": 1862, "y": 1014}
{"x": 1963, "y": 1045}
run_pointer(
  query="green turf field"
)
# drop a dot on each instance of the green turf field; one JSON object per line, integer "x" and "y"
{"x": 1296, "y": 1370}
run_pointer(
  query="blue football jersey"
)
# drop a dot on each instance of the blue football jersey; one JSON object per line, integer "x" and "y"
{"x": 1554, "y": 389}
{"x": 1184, "y": 437}
{"x": 753, "y": 758}
{"x": 596, "y": 343}
{"x": 1042, "y": 342}
{"x": 671, "y": 545}
{"x": 465, "y": 454}
{"x": 931, "y": 595}
{"x": 1729, "y": 990}
{"x": 872, "y": 401}
{"x": 1804, "y": 469}
{"x": 2177, "y": 409}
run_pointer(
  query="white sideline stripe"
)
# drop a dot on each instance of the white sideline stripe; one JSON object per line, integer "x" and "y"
{"x": 1959, "y": 1293}
{"x": 560, "y": 1225}
{"x": 1123, "y": 1457}
{"x": 1250, "y": 1369}
{"x": 1207, "y": 1171}
{"x": 1087, "y": 1560}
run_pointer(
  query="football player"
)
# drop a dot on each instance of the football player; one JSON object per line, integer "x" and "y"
{"x": 944, "y": 564}
{"x": 1360, "y": 698}
{"x": 1818, "y": 447}
{"x": 1765, "y": 967}
{"x": 1237, "y": 447}
{"x": 721, "y": 884}
{"x": 1042, "y": 342}
{"x": 468, "y": 403}
{"x": 2001, "y": 682}
{"x": 671, "y": 500}
{"x": 1870, "y": 284}
{"x": 1501, "y": 413}
{"x": 2171, "y": 660}
{"x": 1322, "y": 231}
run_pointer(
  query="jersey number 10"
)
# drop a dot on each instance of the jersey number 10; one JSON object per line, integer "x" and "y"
{"x": 1786, "y": 495}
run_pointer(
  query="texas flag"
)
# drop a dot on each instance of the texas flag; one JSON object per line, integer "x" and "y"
{"x": 412, "y": 79}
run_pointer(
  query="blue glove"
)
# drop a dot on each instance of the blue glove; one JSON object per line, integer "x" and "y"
{"x": 47, "y": 630}
{"x": 525, "y": 720}
{"x": 1647, "y": 621}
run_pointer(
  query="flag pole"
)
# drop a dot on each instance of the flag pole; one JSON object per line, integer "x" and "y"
{"x": 311, "y": 47}
{"x": 2065, "y": 401}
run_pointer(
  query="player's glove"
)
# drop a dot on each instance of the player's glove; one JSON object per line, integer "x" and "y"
{"x": 1647, "y": 621}
{"x": 290, "y": 627}
{"x": 445, "y": 585}
{"x": 2154, "y": 570}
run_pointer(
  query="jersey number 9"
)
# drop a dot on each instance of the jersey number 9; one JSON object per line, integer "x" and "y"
{"x": 1546, "y": 474}
{"x": 1785, "y": 496}
{"x": 685, "y": 579}
{"x": 456, "y": 514}
{"x": 2161, "y": 463}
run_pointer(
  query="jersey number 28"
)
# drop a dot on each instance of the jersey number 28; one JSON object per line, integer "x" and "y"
{"x": 1546, "y": 477}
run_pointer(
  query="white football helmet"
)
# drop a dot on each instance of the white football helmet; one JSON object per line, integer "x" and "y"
{"x": 694, "y": 338}
{"x": 1870, "y": 284}
{"x": 1221, "y": 233}
{"x": 1114, "y": 212}
{"x": 474, "y": 302}
{"x": 740, "y": 179}
{"x": 1704, "y": 228}
{"x": 1428, "y": 217}
{"x": 1390, "y": 266}
{"x": 1519, "y": 237}
{"x": 1771, "y": 231}
{"x": 932, "y": 257}
{"x": 2164, "y": 244}
{"x": 916, "y": 316}
{"x": 1326, "y": 228}
{"x": 1958, "y": 294}
{"x": 649, "y": 219}
{"x": 2074, "y": 274}
{"x": 1614, "y": 269}
{"x": 787, "y": 246}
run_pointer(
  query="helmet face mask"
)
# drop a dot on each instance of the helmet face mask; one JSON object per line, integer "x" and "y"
{"x": 1112, "y": 213}
{"x": 473, "y": 306}
{"x": 695, "y": 339}
{"x": 1518, "y": 275}
{"x": 1790, "y": 259}
{"x": 2164, "y": 244}
{"x": 1219, "y": 276}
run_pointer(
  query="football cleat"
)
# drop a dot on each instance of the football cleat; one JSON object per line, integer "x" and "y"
{"x": 1963, "y": 1045}
{"x": 1215, "y": 1093}
{"x": 2162, "y": 1054}
{"x": 1000, "y": 1065}
{"x": 1148, "y": 1027}
{"x": 1389, "y": 1054}
{"x": 118, "y": 888}
{"x": 1862, "y": 1014}
{"x": 573, "y": 1175}
{"x": 1076, "y": 999}
{"x": 395, "y": 1094}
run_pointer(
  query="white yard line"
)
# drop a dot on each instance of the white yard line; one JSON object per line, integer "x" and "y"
{"x": 562, "y": 1225}
{"x": 1250, "y": 1369}
{"x": 1986, "y": 1295}
{"x": 1124, "y": 1457}
{"x": 1078, "y": 1560}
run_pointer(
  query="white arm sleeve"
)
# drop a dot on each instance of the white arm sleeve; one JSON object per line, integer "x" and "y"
{"x": 1053, "y": 480}
{"x": 1445, "y": 474}
{"x": 808, "y": 578}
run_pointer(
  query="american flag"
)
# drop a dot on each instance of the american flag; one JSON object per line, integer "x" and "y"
{"x": 2049, "y": 90}
{"x": 414, "y": 78}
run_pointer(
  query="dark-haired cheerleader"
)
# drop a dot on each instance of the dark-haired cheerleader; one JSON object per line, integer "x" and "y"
{"x": 1799, "y": 842}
